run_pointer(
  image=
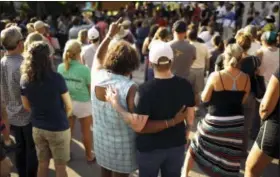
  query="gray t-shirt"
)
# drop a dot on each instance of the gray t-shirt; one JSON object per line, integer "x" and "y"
{"x": 184, "y": 54}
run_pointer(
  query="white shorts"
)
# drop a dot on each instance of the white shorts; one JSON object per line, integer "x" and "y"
{"x": 81, "y": 109}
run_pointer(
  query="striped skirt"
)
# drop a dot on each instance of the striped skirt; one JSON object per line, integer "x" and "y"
{"x": 217, "y": 147}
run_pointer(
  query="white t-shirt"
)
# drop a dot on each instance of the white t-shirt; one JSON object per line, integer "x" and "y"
{"x": 221, "y": 12}
{"x": 88, "y": 53}
{"x": 255, "y": 46}
{"x": 74, "y": 31}
{"x": 206, "y": 36}
{"x": 202, "y": 55}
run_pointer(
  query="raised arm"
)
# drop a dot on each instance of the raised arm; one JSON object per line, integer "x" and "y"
{"x": 103, "y": 47}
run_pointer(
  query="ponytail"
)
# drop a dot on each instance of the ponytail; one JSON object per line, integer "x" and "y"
{"x": 233, "y": 54}
{"x": 67, "y": 59}
{"x": 72, "y": 49}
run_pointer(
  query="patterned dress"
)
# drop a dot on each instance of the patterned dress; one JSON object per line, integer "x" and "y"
{"x": 114, "y": 140}
{"x": 217, "y": 147}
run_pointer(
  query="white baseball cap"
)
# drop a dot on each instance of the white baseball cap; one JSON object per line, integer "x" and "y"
{"x": 160, "y": 49}
{"x": 39, "y": 24}
{"x": 93, "y": 33}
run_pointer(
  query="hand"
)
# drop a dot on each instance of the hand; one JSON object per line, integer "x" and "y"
{"x": 115, "y": 27}
{"x": 181, "y": 115}
{"x": 137, "y": 122}
{"x": 112, "y": 96}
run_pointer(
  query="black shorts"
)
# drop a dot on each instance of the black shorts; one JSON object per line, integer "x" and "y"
{"x": 268, "y": 138}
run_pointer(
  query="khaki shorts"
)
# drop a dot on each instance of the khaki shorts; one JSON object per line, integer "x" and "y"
{"x": 51, "y": 144}
{"x": 196, "y": 78}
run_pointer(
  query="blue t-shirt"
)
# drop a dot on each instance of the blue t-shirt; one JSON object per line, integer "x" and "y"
{"x": 47, "y": 107}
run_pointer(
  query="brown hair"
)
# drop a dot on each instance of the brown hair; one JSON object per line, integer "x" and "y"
{"x": 162, "y": 34}
{"x": 72, "y": 49}
{"x": 244, "y": 41}
{"x": 122, "y": 58}
{"x": 37, "y": 65}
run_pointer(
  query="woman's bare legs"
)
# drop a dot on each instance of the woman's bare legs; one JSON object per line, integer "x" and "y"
{"x": 86, "y": 124}
{"x": 72, "y": 121}
{"x": 256, "y": 162}
{"x": 189, "y": 162}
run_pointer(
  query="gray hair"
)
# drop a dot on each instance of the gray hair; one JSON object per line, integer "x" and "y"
{"x": 10, "y": 37}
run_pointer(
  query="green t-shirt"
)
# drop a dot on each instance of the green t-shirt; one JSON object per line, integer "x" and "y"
{"x": 77, "y": 79}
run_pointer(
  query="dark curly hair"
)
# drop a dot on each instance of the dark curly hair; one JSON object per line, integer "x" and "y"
{"x": 122, "y": 59}
{"x": 36, "y": 65}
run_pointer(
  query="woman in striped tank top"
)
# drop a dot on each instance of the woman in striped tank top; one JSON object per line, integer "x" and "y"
{"x": 217, "y": 147}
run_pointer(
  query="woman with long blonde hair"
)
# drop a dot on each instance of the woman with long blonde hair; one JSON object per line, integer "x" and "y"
{"x": 78, "y": 80}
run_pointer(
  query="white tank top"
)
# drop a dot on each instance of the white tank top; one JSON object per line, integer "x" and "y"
{"x": 270, "y": 62}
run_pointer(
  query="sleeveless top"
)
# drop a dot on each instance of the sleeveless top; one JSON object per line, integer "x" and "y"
{"x": 269, "y": 63}
{"x": 114, "y": 140}
{"x": 232, "y": 105}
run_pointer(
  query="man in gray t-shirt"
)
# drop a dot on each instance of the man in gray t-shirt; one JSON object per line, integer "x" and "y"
{"x": 184, "y": 52}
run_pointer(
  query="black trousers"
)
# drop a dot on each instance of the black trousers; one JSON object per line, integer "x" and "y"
{"x": 26, "y": 158}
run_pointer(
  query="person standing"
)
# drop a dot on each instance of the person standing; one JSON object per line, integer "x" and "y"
{"x": 161, "y": 98}
{"x": 269, "y": 55}
{"x": 217, "y": 147}
{"x": 77, "y": 78}
{"x": 18, "y": 117}
{"x": 184, "y": 52}
{"x": 267, "y": 145}
{"x": 251, "y": 30}
{"x": 199, "y": 66}
{"x": 89, "y": 51}
{"x": 228, "y": 22}
{"x": 44, "y": 93}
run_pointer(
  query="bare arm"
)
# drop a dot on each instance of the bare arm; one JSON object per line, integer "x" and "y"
{"x": 270, "y": 98}
{"x": 140, "y": 123}
{"x": 208, "y": 90}
{"x": 25, "y": 103}
{"x": 103, "y": 47}
{"x": 145, "y": 46}
{"x": 68, "y": 104}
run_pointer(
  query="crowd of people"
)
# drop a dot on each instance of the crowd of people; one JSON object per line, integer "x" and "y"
{"x": 81, "y": 67}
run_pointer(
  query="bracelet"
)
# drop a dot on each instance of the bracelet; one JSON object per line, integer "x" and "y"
{"x": 166, "y": 124}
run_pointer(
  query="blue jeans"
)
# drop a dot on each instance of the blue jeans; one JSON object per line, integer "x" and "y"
{"x": 168, "y": 161}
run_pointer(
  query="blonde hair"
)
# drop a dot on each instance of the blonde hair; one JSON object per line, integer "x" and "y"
{"x": 233, "y": 53}
{"x": 82, "y": 36}
{"x": 32, "y": 37}
{"x": 30, "y": 28}
{"x": 72, "y": 49}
